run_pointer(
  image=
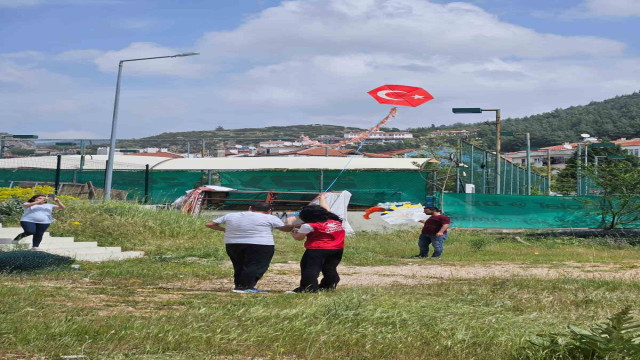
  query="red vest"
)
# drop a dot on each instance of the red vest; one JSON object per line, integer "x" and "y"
{"x": 326, "y": 235}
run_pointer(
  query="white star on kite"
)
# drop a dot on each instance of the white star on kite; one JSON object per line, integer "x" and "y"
{"x": 418, "y": 97}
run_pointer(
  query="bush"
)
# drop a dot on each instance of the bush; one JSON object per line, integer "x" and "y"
{"x": 10, "y": 210}
{"x": 25, "y": 193}
{"x": 618, "y": 338}
{"x": 24, "y": 260}
{"x": 478, "y": 242}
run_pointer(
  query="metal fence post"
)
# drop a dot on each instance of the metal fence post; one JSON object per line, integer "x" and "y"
{"x": 146, "y": 183}
{"x": 58, "y": 170}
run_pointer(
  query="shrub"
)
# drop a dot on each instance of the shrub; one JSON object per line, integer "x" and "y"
{"x": 25, "y": 193}
{"x": 24, "y": 260}
{"x": 478, "y": 242}
{"x": 10, "y": 210}
{"x": 618, "y": 338}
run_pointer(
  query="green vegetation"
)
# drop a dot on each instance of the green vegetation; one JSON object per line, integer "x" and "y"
{"x": 175, "y": 303}
{"x": 619, "y": 338}
{"x": 611, "y": 118}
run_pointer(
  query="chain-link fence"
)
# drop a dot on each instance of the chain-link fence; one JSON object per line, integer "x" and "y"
{"x": 477, "y": 167}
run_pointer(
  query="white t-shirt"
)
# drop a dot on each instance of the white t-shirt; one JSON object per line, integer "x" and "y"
{"x": 39, "y": 214}
{"x": 249, "y": 227}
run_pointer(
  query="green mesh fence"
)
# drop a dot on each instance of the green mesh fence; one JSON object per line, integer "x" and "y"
{"x": 367, "y": 187}
{"x": 479, "y": 170}
{"x": 164, "y": 186}
{"x": 523, "y": 212}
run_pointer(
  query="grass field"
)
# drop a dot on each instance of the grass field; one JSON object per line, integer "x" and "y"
{"x": 176, "y": 304}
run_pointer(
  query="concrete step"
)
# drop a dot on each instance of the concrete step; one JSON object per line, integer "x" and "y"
{"x": 66, "y": 246}
{"x": 97, "y": 257}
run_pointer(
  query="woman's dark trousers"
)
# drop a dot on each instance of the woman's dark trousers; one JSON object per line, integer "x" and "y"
{"x": 315, "y": 261}
{"x": 35, "y": 229}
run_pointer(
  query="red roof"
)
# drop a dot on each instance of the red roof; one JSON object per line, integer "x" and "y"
{"x": 374, "y": 155}
{"x": 158, "y": 154}
{"x": 397, "y": 152}
{"x": 630, "y": 142}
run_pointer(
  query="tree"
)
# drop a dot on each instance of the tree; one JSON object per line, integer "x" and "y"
{"x": 565, "y": 182}
{"x": 619, "y": 184}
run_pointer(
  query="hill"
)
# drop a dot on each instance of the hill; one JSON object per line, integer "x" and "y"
{"x": 609, "y": 119}
{"x": 289, "y": 132}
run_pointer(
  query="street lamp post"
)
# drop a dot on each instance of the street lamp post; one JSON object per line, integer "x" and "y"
{"x": 498, "y": 138}
{"x": 114, "y": 122}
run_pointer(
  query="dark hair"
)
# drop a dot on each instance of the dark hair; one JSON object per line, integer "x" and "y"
{"x": 432, "y": 208}
{"x": 261, "y": 206}
{"x": 316, "y": 213}
{"x": 34, "y": 197}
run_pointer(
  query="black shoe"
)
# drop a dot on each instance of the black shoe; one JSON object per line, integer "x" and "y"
{"x": 19, "y": 237}
{"x": 420, "y": 256}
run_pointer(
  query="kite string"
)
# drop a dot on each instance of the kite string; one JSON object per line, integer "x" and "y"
{"x": 361, "y": 137}
{"x": 392, "y": 113}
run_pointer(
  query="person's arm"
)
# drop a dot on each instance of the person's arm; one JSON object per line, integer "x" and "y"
{"x": 215, "y": 226}
{"x": 301, "y": 233}
{"x": 442, "y": 229}
{"x": 59, "y": 205}
{"x": 285, "y": 228}
{"x": 298, "y": 236}
{"x": 322, "y": 200}
{"x": 30, "y": 204}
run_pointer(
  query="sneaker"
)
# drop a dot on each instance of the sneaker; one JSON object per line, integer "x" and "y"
{"x": 419, "y": 256}
{"x": 256, "y": 291}
{"x": 249, "y": 291}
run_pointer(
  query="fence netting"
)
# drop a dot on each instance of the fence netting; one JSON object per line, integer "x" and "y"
{"x": 478, "y": 167}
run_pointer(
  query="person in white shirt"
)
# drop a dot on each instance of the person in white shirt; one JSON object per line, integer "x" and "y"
{"x": 37, "y": 217}
{"x": 248, "y": 238}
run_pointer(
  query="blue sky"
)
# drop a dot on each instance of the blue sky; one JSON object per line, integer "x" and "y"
{"x": 266, "y": 62}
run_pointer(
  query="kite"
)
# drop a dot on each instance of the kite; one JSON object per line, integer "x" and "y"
{"x": 401, "y": 95}
{"x": 397, "y": 213}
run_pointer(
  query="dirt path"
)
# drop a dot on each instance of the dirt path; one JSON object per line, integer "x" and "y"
{"x": 286, "y": 276}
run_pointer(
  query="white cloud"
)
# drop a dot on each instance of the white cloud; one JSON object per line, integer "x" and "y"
{"x": 181, "y": 66}
{"x": 613, "y": 7}
{"x": 595, "y": 9}
{"x": 299, "y": 28}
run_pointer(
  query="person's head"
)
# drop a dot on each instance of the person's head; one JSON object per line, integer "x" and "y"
{"x": 37, "y": 197}
{"x": 317, "y": 214}
{"x": 262, "y": 207}
{"x": 431, "y": 210}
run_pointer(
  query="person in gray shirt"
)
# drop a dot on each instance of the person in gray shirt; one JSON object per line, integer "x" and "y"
{"x": 248, "y": 238}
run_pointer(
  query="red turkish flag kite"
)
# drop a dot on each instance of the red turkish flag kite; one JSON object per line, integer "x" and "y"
{"x": 400, "y": 95}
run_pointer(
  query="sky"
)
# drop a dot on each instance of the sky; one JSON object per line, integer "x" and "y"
{"x": 278, "y": 63}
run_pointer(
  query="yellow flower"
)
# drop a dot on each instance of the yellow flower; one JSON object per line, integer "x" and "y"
{"x": 76, "y": 223}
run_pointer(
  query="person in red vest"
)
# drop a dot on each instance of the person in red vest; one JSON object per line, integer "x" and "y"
{"x": 434, "y": 232}
{"x": 324, "y": 245}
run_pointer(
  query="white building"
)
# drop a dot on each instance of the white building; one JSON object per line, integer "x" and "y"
{"x": 382, "y": 136}
{"x": 631, "y": 145}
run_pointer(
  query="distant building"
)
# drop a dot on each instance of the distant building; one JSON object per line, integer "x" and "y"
{"x": 452, "y": 133}
{"x": 631, "y": 145}
{"x": 381, "y": 135}
{"x": 560, "y": 154}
